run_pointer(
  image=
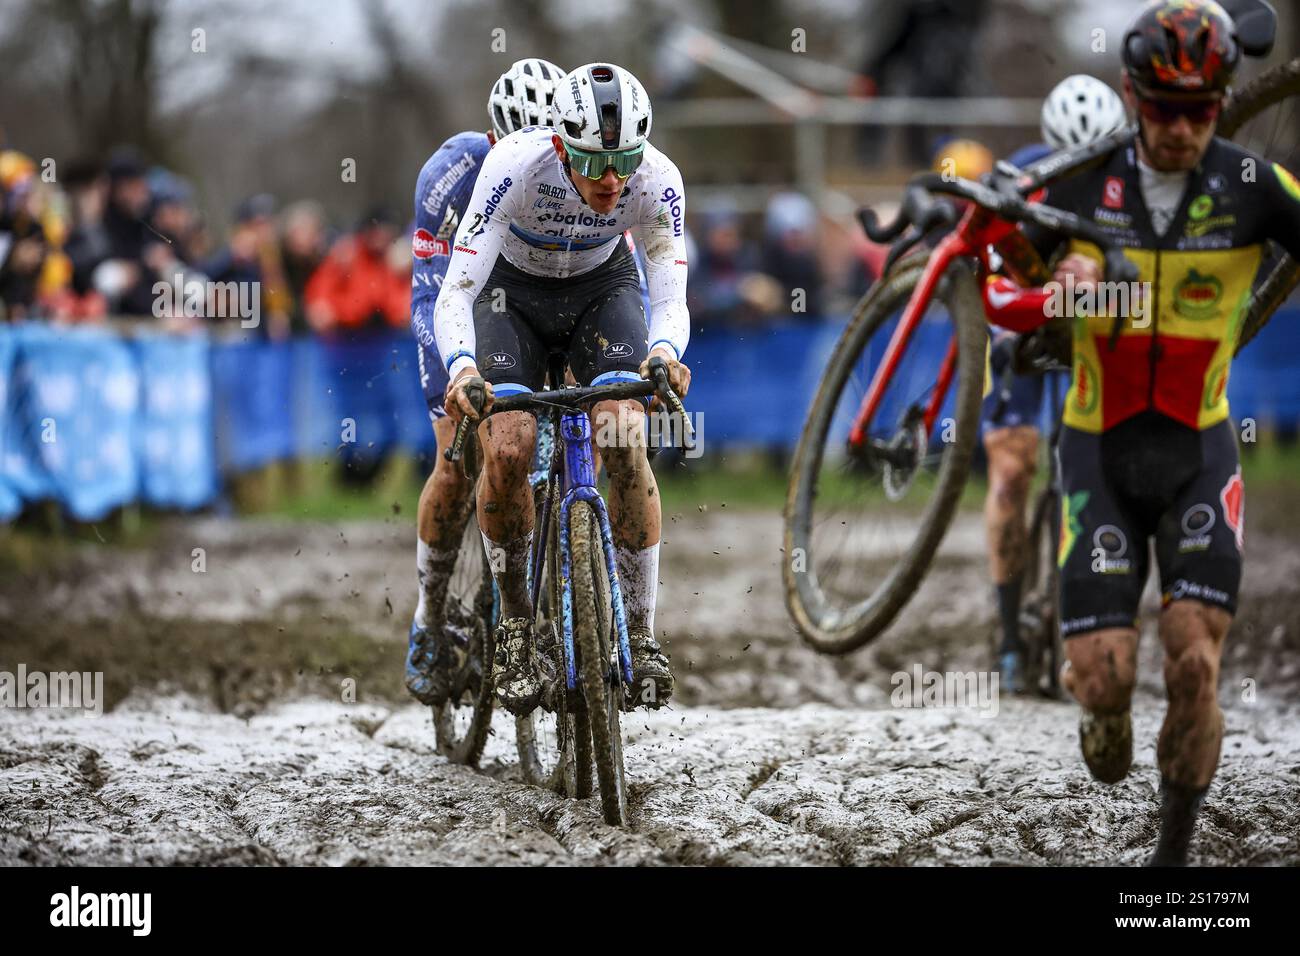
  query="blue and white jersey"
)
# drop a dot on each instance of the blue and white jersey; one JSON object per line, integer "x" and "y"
{"x": 441, "y": 194}
{"x": 526, "y": 209}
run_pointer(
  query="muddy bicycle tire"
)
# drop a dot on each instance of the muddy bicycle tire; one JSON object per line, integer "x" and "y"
{"x": 467, "y": 747}
{"x": 602, "y": 686}
{"x": 1266, "y": 91}
{"x": 570, "y": 772}
{"x": 831, "y": 630}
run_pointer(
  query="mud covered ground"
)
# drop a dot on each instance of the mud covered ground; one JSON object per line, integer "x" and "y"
{"x": 226, "y": 738}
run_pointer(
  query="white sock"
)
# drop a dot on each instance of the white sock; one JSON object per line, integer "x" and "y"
{"x": 433, "y": 568}
{"x": 638, "y": 576}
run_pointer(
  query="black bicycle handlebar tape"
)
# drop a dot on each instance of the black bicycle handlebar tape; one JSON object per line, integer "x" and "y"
{"x": 877, "y": 233}
{"x": 476, "y": 392}
{"x": 919, "y": 209}
{"x": 659, "y": 372}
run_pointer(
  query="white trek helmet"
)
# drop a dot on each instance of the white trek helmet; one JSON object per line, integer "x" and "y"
{"x": 523, "y": 96}
{"x": 603, "y": 108}
{"x": 1081, "y": 109}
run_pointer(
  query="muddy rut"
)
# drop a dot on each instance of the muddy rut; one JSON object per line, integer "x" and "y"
{"x": 227, "y": 738}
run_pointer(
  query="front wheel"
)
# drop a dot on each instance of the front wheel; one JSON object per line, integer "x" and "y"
{"x": 602, "y": 685}
{"x": 863, "y": 523}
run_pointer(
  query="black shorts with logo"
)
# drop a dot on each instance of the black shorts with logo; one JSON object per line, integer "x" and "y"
{"x": 1149, "y": 476}
{"x": 597, "y": 319}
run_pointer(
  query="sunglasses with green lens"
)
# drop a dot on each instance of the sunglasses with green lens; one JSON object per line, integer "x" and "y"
{"x": 593, "y": 165}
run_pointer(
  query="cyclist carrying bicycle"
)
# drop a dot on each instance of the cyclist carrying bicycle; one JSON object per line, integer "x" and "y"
{"x": 1079, "y": 110}
{"x": 522, "y": 96}
{"x": 1147, "y": 449}
{"x": 538, "y": 267}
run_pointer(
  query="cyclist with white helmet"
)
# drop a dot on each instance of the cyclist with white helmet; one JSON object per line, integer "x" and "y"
{"x": 1079, "y": 110}
{"x": 521, "y": 97}
{"x": 539, "y": 267}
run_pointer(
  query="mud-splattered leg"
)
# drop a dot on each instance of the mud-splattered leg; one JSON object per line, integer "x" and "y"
{"x": 1012, "y": 454}
{"x": 1101, "y": 673}
{"x": 1192, "y": 734}
{"x": 635, "y": 519}
{"x": 505, "y": 505}
{"x": 440, "y": 523}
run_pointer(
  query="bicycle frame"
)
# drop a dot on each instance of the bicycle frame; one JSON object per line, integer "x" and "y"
{"x": 579, "y": 484}
{"x": 572, "y": 440}
{"x": 977, "y": 232}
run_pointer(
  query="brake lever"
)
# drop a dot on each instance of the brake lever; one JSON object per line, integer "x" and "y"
{"x": 659, "y": 373}
{"x": 477, "y": 394}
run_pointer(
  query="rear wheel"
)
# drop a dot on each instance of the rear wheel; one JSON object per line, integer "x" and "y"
{"x": 462, "y": 724}
{"x": 552, "y": 745}
{"x": 602, "y": 685}
{"x": 1264, "y": 116}
{"x": 862, "y": 525}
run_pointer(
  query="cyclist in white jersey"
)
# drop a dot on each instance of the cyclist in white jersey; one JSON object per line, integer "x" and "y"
{"x": 521, "y": 96}
{"x": 538, "y": 267}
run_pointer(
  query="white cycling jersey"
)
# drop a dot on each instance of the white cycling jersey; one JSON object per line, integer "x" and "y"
{"x": 525, "y": 208}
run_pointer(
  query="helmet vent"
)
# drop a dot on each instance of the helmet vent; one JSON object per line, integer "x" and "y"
{"x": 609, "y": 124}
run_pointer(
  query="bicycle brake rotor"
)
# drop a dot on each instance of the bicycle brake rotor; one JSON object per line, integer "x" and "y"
{"x": 909, "y": 443}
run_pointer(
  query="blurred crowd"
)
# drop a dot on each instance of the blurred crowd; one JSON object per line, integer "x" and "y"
{"x": 96, "y": 239}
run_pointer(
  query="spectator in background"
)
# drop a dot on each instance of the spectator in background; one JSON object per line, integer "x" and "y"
{"x": 725, "y": 285}
{"x": 23, "y": 245}
{"x": 302, "y": 248}
{"x": 355, "y": 290}
{"x": 790, "y": 252}
{"x": 361, "y": 291}
{"x": 123, "y": 277}
{"x": 252, "y": 257}
{"x": 927, "y": 52}
{"x": 88, "y": 245}
{"x": 173, "y": 218}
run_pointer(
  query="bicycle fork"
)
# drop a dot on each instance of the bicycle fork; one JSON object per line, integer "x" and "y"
{"x": 580, "y": 485}
{"x": 950, "y": 247}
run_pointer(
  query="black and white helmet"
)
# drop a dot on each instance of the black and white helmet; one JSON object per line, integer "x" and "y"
{"x": 523, "y": 96}
{"x": 1081, "y": 109}
{"x": 601, "y": 107}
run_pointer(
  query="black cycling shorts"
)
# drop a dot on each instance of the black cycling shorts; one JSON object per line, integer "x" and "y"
{"x": 597, "y": 319}
{"x": 1147, "y": 477}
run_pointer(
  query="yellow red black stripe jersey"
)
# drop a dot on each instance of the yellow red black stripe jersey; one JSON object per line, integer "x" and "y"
{"x": 1199, "y": 274}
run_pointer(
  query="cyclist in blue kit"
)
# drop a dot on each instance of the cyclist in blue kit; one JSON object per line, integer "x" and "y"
{"x": 521, "y": 97}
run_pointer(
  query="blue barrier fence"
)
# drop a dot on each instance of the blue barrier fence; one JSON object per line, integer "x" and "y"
{"x": 95, "y": 420}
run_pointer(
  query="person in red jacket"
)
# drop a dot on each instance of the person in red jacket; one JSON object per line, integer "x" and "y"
{"x": 358, "y": 294}
{"x": 359, "y": 287}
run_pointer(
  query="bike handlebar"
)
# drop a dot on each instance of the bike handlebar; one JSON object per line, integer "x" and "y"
{"x": 574, "y": 397}
{"x": 919, "y": 209}
{"x": 1008, "y": 205}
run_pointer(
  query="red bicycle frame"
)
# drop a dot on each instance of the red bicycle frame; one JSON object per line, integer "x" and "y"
{"x": 978, "y": 231}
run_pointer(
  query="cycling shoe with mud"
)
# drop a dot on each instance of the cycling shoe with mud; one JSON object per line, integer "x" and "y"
{"x": 652, "y": 681}
{"x": 432, "y": 660}
{"x": 514, "y": 669}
